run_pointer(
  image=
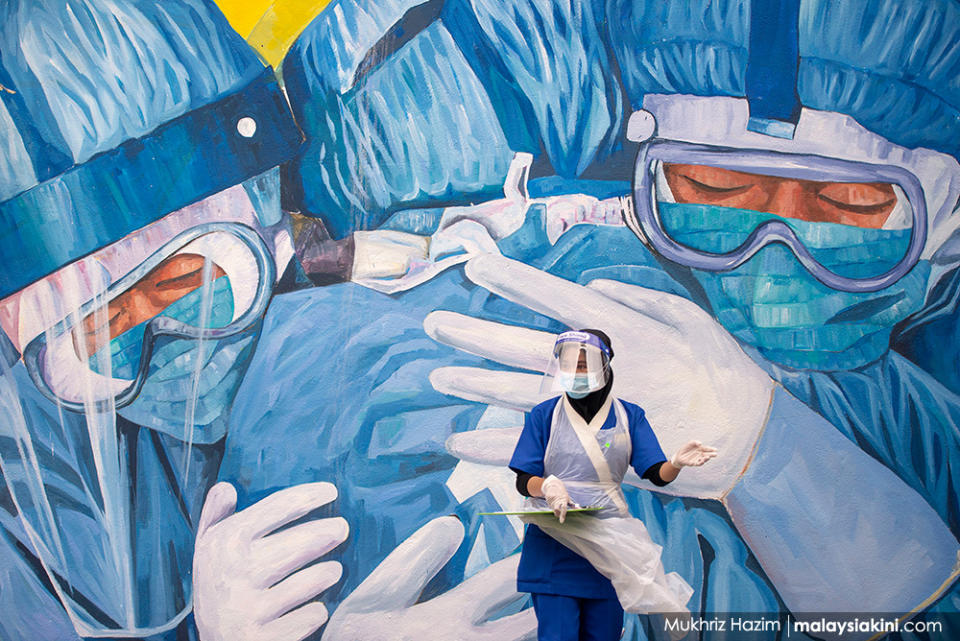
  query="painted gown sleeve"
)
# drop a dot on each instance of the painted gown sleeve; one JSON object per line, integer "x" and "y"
{"x": 830, "y": 525}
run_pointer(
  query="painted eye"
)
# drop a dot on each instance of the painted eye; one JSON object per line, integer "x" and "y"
{"x": 711, "y": 180}
{"x": 859, "y": 198}
{"x": 182, "y": 271}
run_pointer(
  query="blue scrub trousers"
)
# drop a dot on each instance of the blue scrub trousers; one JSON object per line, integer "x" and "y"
{"x": 567, "y": 618}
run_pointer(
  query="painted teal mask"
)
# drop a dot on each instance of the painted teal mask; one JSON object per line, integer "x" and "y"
{"x": 125, "y": 349}
{"x": 775, "y": 305}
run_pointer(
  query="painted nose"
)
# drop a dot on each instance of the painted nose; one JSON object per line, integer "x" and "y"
{"x": 790, "y": 200}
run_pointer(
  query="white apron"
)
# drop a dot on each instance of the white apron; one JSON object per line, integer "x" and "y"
{"x": 592, "y": 463}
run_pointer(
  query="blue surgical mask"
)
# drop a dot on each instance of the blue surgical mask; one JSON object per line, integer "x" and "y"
{"x": 773, "y": 304}
{"x": 579, "y": 385}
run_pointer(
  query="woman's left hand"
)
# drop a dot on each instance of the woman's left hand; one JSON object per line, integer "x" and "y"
{"x": 692, "y": 454}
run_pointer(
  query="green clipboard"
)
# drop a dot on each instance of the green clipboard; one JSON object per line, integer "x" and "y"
{"x": 571, "y": 510}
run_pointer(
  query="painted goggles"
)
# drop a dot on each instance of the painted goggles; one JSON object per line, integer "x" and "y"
{"x": 208, "y": 283}
{"x": 744, "y": 200}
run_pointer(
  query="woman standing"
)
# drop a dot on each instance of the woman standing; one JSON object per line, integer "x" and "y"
{"x": 574, "y": 451}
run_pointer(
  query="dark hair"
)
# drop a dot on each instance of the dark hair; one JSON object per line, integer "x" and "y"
{"x": 603, "y": 337}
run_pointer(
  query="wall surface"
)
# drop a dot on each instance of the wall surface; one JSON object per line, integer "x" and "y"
{"x": 280, "y": 281}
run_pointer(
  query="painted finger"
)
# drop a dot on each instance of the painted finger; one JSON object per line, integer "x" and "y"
{"x": 563, "y": 300}
{"x": 297, "y": 625}
{"x": 521, "y": 626}
{"x": 503, "y": 389}
{"x": 220, "y": 503}
{"x": 488, "y": 591}
{"x": 400, "y": 578}
{"x": 514, "y": 346}
{"x": 278, "y": 555}
{"x": 284, "y": 506}
{"x": 300, "y": 587}
{"x": 664, "y": 307}
{"x": 492, "y": 446}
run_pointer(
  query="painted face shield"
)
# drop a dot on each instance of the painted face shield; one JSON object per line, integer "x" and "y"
{"x": 178, "y": 321}
{"x": 808, "y": 255}
{"x": 141, "y": 236}
{"x": 580, "y": 365}
{"x": 131, "y": 358}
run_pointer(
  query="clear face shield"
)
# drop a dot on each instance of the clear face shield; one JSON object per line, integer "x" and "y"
{"x": 154, "y": 331}
{"x": 580, "y": 365}
{"x": 101, "y": 354}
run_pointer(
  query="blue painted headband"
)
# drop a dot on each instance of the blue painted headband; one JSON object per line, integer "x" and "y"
{"x": 187, "y": 159}
{"x": 580, "y": 337}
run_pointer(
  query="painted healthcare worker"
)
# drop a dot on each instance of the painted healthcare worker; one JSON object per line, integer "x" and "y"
{"x": 141, "y": 240}
{"x": 797, "y": 350}
{"x": 574, "y": 451}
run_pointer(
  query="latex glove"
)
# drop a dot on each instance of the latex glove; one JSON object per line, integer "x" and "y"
{"x": 693, "y": 454}
{"x": 384, "y": 607}
{"x": 555, "y": 493}
{"x": 673, "y": 359}
{"x": 247, "y": 578}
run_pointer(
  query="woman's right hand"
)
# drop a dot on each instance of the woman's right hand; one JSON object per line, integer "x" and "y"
{"x": 555, "y": 493}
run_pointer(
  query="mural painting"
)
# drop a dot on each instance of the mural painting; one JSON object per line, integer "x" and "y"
{"x": 279, "y": 281}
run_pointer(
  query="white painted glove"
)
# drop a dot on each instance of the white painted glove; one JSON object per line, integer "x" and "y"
{"x": 673, "y": 359}
{"x": 555, "y": 493}
{"x": 693, "y": 454}
{"x": 384, "y": 607}
{"x": 247, "y": 578}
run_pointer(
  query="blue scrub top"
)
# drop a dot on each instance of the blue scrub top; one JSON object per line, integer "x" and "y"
{"x": 547, "y": 566}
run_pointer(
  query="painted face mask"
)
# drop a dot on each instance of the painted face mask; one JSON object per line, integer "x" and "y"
{"x": 126, "y": 348}
{"x": 772, "y": 303}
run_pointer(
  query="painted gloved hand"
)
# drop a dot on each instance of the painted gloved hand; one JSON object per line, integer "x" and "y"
{"x": 688, "y": 373}
{"x": 693, "y": 454}
{"x": 392, "y": 261}
{"x": 384, "y": 607}
{"x": 555, "y": 493}
{"x": 247, "y": 578}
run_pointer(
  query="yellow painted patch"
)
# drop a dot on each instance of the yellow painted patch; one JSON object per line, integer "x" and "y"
{"x": 271, "y": 26}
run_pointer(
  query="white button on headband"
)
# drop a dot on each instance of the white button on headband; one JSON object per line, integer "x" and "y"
{"x": 246, "y": 127}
